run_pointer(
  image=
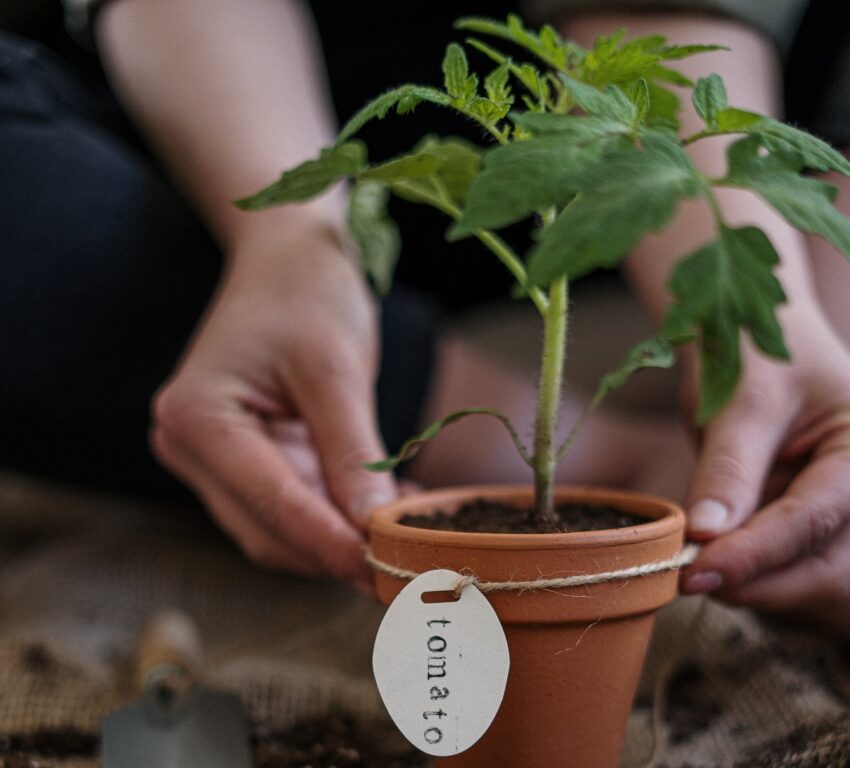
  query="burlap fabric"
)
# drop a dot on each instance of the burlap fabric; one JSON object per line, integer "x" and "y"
{"x": 79, "y": 576}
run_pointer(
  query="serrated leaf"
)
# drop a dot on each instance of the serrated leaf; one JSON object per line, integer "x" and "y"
{"x": 664, "y": 107}
{"x": 676, "y": 52}
{"x": 657, "y": 352}
{"x": 620, "y": 66}
{"x": 496, "y": 85}
{"x": 310, "y": 178}
{"x": 660, "y": 73}
{"x": 611, "y": 103}
{"x": 722, "y": 288}
{"x": 410, "y": 448}
{"x": 549, "y": 168}
{"x": 461, "y": 161}
{"x": 547, "y": 50}
{"x": 709, "y": 98}
{"x": 374, "y": 232}
{"x": 460, "y": 85}
{"x": 576, "y": 128}
{"x": 405, "y": 96}
{"x": 414, "y": 166}
{"x": 805, "y": 202}
{"x": 732, "y": 120}
{"x": 811, "y": 152}
{"x": 638, "y": 94}
{"x": 633, "y": 192}
{"x": 527, "y": 74}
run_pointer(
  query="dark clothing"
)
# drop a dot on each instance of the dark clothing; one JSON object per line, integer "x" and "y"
{"x": 105, "y": 269}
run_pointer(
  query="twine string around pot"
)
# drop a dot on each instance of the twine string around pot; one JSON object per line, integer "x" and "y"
{"x": 684, "y": 557}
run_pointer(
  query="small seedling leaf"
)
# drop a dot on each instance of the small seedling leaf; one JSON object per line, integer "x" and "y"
{"x": 414, "y": 166}
{"x": 549, "y": 167}
{"x": 709, "y": 98}
{"x": 724, "y": 287}
{"x": 805, "y": 202}
{"x": 791, "y": 142}
{"x": 311, "y": 177}
{"x": 635, "y": 191}
{"x": 460, "y": 162}
{"x": 611, "y": 103}
{"x": 412, "y": 446}
{"x": 404, "y": 98}
{"x": 374, "y": 232}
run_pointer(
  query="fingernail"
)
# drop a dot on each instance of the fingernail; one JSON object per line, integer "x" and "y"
{"x": 707, "y": 516}
{"x": 702, "y": 582}
{"x": 362, "y": 508}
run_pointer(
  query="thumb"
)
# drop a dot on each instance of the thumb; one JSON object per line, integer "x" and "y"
{"x": 739, "y": 447}
{"x": 342, "y": 420}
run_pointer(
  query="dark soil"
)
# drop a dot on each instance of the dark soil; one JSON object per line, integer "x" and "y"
{"x": 329, "y": 742}
{"x": 483, "y": 516}
{"x": 57, "y": 742}
{"x": 336, "y": 742}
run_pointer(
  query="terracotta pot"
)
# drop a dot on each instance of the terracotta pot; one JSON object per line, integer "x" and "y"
{"x": 576, "y": 654}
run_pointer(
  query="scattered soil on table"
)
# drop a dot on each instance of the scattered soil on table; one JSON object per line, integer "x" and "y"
{"x": 335, "y": 742}
{"x": 56, "y": 742}
{"x": 690, "y": 708}
{"x": 484, "y": 516}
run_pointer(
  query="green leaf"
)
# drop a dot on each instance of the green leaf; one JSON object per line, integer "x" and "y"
{"x": 414, "y": 166}
{"x": 609, "y": 63}
{"x": 664, "y": 107}
{"x": 412, "y": 446}
{"x": 611, "y": 103}
{"x": 723, "y": 287}
{"x": 732, "y": 120}
{"x": 549, "y": 168}
{"x": 709, "y": 98}
{"x": 638, "y": 94}
{"x": 404, "y": 98}
{"x": 676, "y": 52}
{"x": 375, "y": 234}
{"x": 496, "y": 85}
{"x": 805, "y": 202}
{"x": 311, "y": 177}
{"x": 460, "y": 85}
{"x": 810, "y": 151}
{"x": 634, "y": 191}
{"x": 657, "y": 352}
{"x": 460, "y": 163}
{"x": 574, "y": 128}
{"x": 547, "y": 46}
{"x": 530, "y": 77}
{"x": 660, "y": 73}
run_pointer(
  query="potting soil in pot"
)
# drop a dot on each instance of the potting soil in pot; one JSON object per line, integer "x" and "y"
{"x": 79, "y": 575}
{"x": 485, "y": 516}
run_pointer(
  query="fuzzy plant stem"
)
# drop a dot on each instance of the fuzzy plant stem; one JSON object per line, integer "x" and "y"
{"x": 548, "y": 400}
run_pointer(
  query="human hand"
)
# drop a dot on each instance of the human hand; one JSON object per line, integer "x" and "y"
{"x": 270, "y": 414}
{"x": 771, "y": 492}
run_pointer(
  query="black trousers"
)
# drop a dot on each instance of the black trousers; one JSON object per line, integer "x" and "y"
{"x": 104, "y": 271}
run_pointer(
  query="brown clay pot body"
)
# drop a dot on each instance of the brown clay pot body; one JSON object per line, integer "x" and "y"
{"x": 576, "y": 654}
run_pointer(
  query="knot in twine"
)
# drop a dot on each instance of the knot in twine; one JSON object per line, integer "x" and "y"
{"x": 467, "y": 578}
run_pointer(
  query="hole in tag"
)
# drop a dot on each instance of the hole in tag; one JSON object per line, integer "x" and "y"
{"x": 440, "y": 596}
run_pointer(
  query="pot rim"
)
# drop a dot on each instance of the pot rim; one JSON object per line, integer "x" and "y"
{"x": 669, "y": 518}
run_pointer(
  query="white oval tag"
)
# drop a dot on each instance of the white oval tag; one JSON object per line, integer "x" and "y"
{"x": 441, "y": 667}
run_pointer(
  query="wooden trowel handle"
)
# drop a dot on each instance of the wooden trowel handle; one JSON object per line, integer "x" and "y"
{"x": 170, "y": 647}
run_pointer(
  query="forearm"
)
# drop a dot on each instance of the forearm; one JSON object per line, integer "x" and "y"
{"x": 751, "y": 73}
{"x": 227, "y": 93}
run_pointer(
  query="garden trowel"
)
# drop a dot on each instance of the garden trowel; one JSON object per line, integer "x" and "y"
{"x": 177, "y": 723}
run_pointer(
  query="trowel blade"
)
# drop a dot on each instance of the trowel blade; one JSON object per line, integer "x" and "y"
{"x": 210, "y": 731}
